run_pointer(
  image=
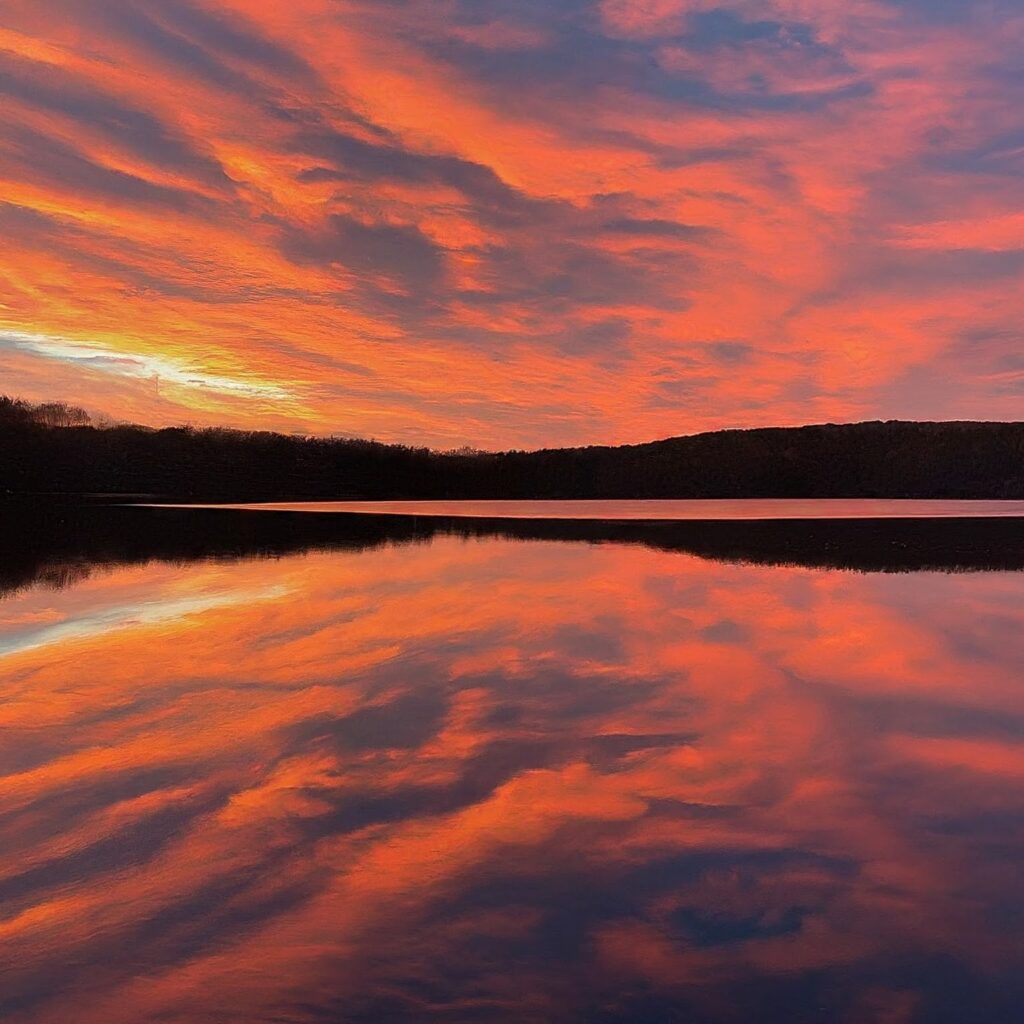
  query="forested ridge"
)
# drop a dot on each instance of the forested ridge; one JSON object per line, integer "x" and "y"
{"x": 56, "y": 449}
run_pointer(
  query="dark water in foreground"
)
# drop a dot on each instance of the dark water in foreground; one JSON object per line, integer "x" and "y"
{"x": 267, "y": 767}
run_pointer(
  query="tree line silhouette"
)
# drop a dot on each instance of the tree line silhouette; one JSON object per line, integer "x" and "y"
{"x": 55, "y": 449}
{"x": 56, "y": 543}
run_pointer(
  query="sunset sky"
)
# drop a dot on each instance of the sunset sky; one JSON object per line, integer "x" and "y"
{"x": 513, "y": 223}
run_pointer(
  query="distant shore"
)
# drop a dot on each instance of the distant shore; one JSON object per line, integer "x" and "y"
{"x": 55, "y": 449}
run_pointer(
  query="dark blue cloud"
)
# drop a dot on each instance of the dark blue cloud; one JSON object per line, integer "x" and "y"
{"x": 654, "y": 228}
{"x": 42, "y": 158}
{"x": 351, "y": 158}
{"x": 577, "y": 58}
{"x": 54, "y": 90}
{"x": 218, "y": 35}
{"x": 954, "y": 11}
{"x": 400, "y": 252}
{"x": 730, "y": 353}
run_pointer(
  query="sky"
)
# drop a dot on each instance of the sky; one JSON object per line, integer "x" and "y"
{"x": 513, "y": 223}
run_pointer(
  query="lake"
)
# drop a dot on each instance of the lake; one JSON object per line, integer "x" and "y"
{"x": 272, "y": 766}
{"x": 660, "y": 510}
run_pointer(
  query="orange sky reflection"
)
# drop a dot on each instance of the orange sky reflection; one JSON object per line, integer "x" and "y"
{"x": 494, "y": 780}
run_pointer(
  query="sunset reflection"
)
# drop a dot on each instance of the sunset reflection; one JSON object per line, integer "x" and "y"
{"x": 488, "y": 779}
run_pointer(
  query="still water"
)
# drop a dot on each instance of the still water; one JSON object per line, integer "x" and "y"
{"x": 660, "y": 509}
{"x": 251, "y": 773}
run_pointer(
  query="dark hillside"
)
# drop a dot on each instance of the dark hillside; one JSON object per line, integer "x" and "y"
{"x": 54, "y": 450}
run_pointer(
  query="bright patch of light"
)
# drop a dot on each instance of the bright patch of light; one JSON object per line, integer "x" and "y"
{"x": 143, "y": 367}
{"x": 120, "y": 617}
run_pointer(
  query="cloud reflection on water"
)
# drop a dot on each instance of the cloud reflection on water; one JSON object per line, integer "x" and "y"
{"x": 493, "y": 780}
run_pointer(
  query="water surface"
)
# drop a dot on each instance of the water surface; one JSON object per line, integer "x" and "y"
{"x": 662, "y": 509}
{"x": 260, "y": 770}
